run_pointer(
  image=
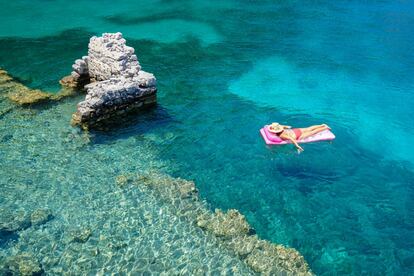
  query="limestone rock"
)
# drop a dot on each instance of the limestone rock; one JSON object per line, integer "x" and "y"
{"x": 272, "y": 259}
{"x": 109, "y": 56}
{"x": 80, "y": 235}
{"x": 11, "y": 222}
{"x": 230, "y": 228}
{"x": 22, "y": 95}
{"x": 122, "y": 180}
{"x": 41, "y": 216}
{"x": 110, "y": 97}
{"x": 80, "y": 67}
{"x": 225, "y": 225}
{"x": 25, "y": 97}
{"x": 23, "y": 264}
{"x": 117, "y": 83}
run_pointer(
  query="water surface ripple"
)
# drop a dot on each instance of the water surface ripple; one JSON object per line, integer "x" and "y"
{"x": 224, "y": 70}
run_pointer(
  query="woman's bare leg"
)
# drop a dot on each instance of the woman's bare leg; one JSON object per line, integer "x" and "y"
{"x": 307, "y": 132}
{"x": 314, "y": 127}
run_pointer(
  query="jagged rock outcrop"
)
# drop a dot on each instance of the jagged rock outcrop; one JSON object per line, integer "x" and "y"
{"x": 116, "y": 82}
{"x": 109, "y": 56}
{"x": 79, "y": 76}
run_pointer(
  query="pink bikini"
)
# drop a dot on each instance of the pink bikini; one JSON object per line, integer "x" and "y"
{"x": 297, "y": 132}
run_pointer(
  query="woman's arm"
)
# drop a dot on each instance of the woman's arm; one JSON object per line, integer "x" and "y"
{"x": 293, "y": 140}
{"x": 296, "y": 144}
{"x": 285, "y": 127}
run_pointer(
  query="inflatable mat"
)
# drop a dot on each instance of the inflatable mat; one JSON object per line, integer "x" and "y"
{"x": 273, "y": 139}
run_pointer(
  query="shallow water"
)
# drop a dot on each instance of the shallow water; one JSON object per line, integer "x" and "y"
{"x": 131, "y": 229}
{"x": 224, "y": 70}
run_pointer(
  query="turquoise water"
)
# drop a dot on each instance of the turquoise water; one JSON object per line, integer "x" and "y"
{"x": 225, "y": 69}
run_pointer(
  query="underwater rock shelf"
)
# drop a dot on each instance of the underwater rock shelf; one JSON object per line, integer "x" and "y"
{"x": 113, "y": 79}
{"x": 21, "y": 95}
{"x": 230, "y": 228}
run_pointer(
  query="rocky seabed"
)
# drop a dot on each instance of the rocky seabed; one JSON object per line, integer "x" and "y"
{"x": 151, "y": 223}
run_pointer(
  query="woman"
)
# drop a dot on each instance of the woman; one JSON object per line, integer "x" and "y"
{"x": 294, "y": 134}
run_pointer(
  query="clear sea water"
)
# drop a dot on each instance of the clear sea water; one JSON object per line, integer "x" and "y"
{"x": 224, "y": 69}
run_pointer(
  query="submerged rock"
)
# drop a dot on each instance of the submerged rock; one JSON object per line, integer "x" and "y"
{"x": 117, "y": 83}
{"x": 261, "y": 256}
{"x": 225, "y": 225}
{"x": 41, "y": 216}
{"x": 122, "y": 180}
{"x": 26, "y": 96}
{"x": 80, "y": 235}
{"x": 14, "y": 221}
{"x": 11, "y": 222}
{"x": 22, "y": 264}
{"x": 244, "y": 245}
{"x": 230, "y": 228}
{"x": 272, "y": 259}
{"x": 22, "y": 95}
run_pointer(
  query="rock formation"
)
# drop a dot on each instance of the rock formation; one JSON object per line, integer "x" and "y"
{"x": 230, "y": 228}
{"x": 23, "y": 264}
{"x": 116, "y": 82}
{"x": 23, "y": 95}
{"x": 41, "y": 216}
{"x": 80, "y": 235}
{"x": 12, "y": 221}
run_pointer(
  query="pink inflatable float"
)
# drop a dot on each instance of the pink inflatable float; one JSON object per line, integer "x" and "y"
{"x": 273, "y": 139}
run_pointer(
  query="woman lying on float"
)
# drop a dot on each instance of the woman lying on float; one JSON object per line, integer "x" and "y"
{"x": 295, "y": 135}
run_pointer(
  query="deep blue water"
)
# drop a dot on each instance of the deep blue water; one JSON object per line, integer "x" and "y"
{"x": 225, "y": 69}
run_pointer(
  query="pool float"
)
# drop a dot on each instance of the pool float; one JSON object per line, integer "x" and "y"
{"x": 272, "y": 139}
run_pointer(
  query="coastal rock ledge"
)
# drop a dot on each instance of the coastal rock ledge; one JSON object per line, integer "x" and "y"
{"x": 113, "y": 79}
